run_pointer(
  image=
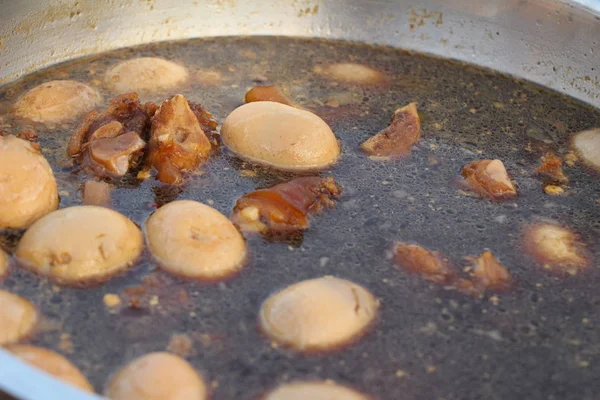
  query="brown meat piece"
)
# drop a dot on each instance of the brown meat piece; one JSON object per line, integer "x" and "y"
{"x": 489, "y": 274}
{"x": 113, "y": 156}
{"x": 268, "y": 93}
{"x": 207, "y": 122}
{"x": 127, "y": 110}
{"x": 80, "y": 136}
{"x": 551, "y": 169}
{"x": 96, "y": 193}
{"x": 151, "y": 108}
{"x": 488, "y": 179}
{"x": 398, "y": 138}
{"x": 110, "y": 130}
{"x": 285, "y": 208}
{"x": 111, "y": 142}
{"x": 431, "y": 265}
{"x": 178, "y": 139}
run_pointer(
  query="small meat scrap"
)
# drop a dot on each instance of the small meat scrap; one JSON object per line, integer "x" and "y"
{"x": 268, "y": 93}
{"x": 488, "y": 179}
{"x": 96, "y": 193}
{"x": 556, "y": 248}
{"x": 113, "y": 157}
{"x": 551, "y": 169}
{"x": 111, "y": 143}
{"x": 398, "y": 138}
{"x": 486, "y": 274}
{"x": 431, "y": 265}
{"x": 489, "y": 274}
{"x": 285, "y": 208}
{"x": 179, "y": 139}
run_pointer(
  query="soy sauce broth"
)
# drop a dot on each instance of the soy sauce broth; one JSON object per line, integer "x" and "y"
{"x": 540, "y": 339}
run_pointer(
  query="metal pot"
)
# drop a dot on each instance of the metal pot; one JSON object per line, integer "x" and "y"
{"x": 549, "y": 42}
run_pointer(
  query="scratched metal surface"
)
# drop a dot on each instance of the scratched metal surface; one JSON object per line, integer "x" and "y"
{"x": 550, "y": 42}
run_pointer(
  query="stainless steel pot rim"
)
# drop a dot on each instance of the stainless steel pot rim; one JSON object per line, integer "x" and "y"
{"x": 549, "y": 42}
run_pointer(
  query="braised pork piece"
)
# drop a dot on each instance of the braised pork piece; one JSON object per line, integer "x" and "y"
{"x": 432, "y": 265}
{"x": 285, "y": 208}
{"x": 112, "y": 142}
{"x": 551, "y": 169}
{"x": 488, "y": 179}
{"x": 179, "y": 139}
{"x": 398, "y": 138}
{"x": 485, "y": 273}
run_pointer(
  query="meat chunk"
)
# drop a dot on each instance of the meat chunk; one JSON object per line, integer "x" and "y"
{"x": 111, "y": 143}
{"x": 488, "y": 179}
{"x": 127, "y": 110}
{"x": 151, "y": 108}
{"x": 551, "y": 169}
{"x": 110, "y": 130}
{"x": 80, "y": 136}
{"x": 489, "y": 274}
{"x": 114, "y": 156}
{"x": 268, "y": 93}
{"x": 207, "y": 122}
{"x": 431, "y": 265}
{"x": 178, "y": 139}
{"x": 285, "y": 208}
{"x": 398, "y": 138}
{"x": 96, "y": 193}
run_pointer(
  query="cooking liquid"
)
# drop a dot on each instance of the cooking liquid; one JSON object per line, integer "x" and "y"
{"x": 538, "y": 340}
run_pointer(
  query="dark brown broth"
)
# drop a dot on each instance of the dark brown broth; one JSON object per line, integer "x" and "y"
{"x": 540, "y": 341}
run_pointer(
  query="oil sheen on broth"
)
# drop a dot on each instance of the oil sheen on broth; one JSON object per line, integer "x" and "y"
{"x": 429, "y": 341}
